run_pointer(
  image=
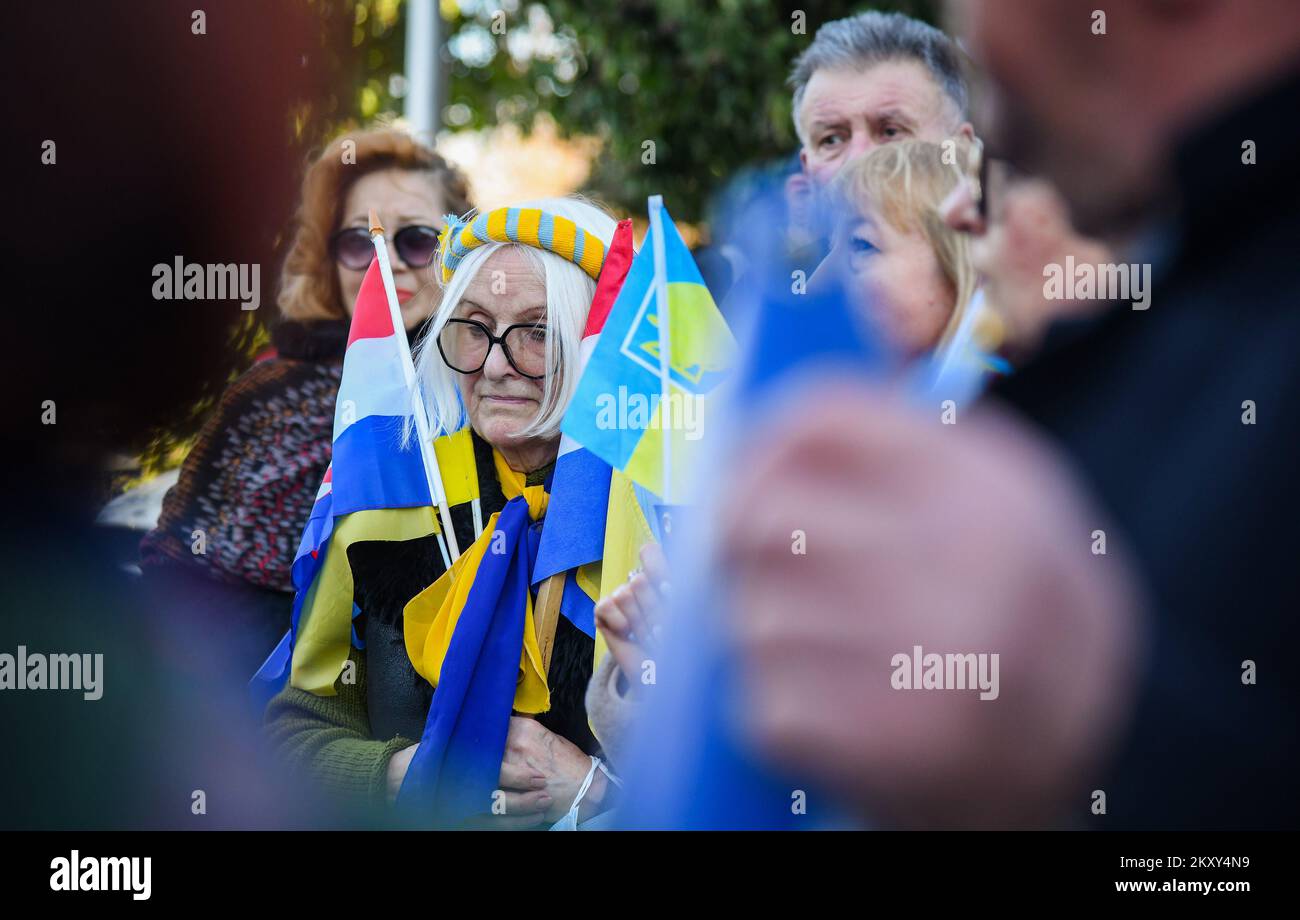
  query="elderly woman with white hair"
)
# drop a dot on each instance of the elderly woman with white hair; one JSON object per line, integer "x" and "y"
{"x": 502, "y": 353}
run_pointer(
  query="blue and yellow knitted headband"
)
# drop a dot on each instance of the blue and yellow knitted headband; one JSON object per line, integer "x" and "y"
{"x": 528, "y": 226}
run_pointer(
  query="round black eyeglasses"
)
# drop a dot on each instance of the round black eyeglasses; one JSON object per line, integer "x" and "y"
{"x": 466, "y": 343}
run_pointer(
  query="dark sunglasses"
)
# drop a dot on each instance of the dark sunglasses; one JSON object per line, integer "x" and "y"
{"x": 416, "y": 245}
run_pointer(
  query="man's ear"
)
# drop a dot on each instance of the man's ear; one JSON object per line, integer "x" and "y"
{"x": 967, "y": 130}
{"x": 803, "y": 159}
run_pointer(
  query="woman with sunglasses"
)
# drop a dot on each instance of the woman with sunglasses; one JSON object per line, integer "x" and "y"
{"x": 225, "y": 541}
{"x": 501, "y": 355}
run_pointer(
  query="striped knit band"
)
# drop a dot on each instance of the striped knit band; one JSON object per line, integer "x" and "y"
{"x": 527, "y": 226}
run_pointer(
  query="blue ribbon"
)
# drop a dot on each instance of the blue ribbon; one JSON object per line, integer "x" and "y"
{"x": 457, "y": 767}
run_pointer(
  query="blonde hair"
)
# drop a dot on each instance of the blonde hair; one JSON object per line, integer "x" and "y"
{"x": 905, "y": 183}
{"x": 569, "y": 291}
{"x": 309, "y": 284}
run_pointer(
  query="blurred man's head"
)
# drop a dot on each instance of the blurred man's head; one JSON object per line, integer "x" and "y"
{"x": 870, "y": 79}
{"x": 1095, "y": 100}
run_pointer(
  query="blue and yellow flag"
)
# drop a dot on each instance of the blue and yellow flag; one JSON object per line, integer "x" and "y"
{"x": 618, "y": 412}
{"x": 689, "y": 763}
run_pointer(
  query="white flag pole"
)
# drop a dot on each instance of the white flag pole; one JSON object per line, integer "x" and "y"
{"x": 656, "y": 206}
{"x": 432, "y": 475}
{"x": 477, "y": 508}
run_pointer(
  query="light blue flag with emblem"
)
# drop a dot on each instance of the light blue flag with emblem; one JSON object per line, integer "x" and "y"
{"x": 629, "y": 399}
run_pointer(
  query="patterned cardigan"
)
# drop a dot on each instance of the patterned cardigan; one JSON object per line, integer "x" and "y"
{"x": 230, "y": 527}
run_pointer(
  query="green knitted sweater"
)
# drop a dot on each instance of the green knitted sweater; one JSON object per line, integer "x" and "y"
{"x": 328, "y": 738}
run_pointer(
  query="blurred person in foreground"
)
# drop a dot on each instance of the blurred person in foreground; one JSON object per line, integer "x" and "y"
{"x": 229, "y": 529}
{"x": 203, "y": 169}
{"x": 1167, "y": 432}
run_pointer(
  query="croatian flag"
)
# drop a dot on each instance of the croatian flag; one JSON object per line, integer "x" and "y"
{"x": 372, "y": 468}
{"x": 574, "y": 534}
{"x": 374, "y": 489}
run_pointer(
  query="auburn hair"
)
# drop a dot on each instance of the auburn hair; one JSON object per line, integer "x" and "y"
{"x": 309, "y": 285}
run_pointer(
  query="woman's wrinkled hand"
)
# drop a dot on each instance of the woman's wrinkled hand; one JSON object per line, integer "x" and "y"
{"x": 541, "y": 774}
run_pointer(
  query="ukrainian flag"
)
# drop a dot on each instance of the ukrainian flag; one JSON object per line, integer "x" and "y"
{"x": 618, "y": 412}
{"x": 573, "y": 539}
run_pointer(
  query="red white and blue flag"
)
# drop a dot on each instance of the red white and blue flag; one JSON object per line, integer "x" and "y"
{"x": 374, "y": 489}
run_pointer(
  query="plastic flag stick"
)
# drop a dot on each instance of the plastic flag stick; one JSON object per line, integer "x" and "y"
{"x": 656, "y": 205}
{"x": 431, "y": 471}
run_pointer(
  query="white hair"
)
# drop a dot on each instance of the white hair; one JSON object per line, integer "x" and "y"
{"x": 569, "y": 291}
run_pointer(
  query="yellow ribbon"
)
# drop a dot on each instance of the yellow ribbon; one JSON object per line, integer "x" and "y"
{"x": 431, "y": 616}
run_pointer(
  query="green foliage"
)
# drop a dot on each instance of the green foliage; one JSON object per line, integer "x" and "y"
{"x": 703, "y": 79}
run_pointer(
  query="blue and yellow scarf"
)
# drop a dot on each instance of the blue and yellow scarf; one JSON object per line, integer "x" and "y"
{"x": 471, "y": 634}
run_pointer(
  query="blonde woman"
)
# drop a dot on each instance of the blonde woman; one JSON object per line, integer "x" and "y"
{"x": 909, "y": 273}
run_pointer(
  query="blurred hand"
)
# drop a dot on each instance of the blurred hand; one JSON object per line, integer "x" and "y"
{"x": 629, "y": 617}
{"x": 1028, "y": 228}
{"x": 966, "y": 538}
